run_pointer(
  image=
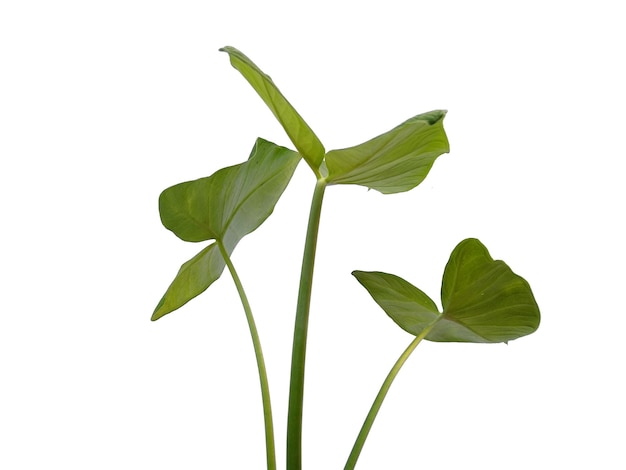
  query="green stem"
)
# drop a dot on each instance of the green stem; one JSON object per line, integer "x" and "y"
{"x": 296, "y": 386}
{"x": 371, "y": 416}
{"x": 270, "y": 448}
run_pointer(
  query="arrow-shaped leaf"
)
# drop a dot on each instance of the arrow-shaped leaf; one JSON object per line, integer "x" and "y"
{"x": 224, "y": 207}
{"x": 302, "y": 136}
{"x": 483, "y": 300}
{"x": 395, "y": 161}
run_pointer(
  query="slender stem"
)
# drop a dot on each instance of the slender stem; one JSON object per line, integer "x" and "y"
{"x": 296, "y": 386}
{"x": 371, "y": 416}
{"x": 270, "y": 447}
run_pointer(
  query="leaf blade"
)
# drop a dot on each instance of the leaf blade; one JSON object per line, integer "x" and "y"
{"x": 485, "y": 297}
{"x": 194, "y": 277}
{"x": 299, "y": 132}
{"x": 484, "y": 301}
{"x": 233, "y": 201}
{"x": 225, "y": 207}
{"x": 395, "y": 161}
{"x": 409, "y": 307}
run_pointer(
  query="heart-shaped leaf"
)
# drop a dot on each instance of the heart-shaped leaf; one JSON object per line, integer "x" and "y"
{"x": 233, "y": 201}
{"x": 395, "y": 161}
{"x": 483, "y": 300}
{"x": 225, "y": 207}
{"x": 302, "y": 136}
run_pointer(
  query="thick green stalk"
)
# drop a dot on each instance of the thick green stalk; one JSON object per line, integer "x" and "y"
{"x": 298, "y": 355}
{"x": 371, "y": 416}
{"x": 270, "y": 448}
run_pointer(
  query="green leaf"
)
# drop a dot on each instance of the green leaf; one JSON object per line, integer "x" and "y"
{"x": 408, "y": 306}
{"x": 304, "y": 139}
{"x": 233, "y": 201}
{"x": 225, "y": 207}
{"x": 193, "y": 278}
{"x": 395, "y": 161}
{"x": 483, "y": 300}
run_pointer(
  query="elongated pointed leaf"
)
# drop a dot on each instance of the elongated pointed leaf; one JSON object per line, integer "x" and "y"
{"x": 483, "y": 300}
{"x": 395, "y": 161}
{"x": 193, "y": 278}
{"x": 408, "y": 306}
{"x": 302, "y": 136}
{"x": 224, "y": 207}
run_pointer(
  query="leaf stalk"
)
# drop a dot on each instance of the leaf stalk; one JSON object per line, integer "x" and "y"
{"x": 270, "y": 447}
{"x": 298, "y": 356}
{"x": 378, "y": 401}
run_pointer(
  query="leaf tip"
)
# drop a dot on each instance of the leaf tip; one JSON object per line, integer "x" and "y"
{"x": 435, "y": 116}
{"x": 163, "y": 308}
{"x": 157, "y": 311}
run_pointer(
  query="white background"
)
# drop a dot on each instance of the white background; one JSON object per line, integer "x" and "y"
{"x": 105, "y": 104}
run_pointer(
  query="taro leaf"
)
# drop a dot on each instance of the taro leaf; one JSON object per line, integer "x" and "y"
{"x": 304, "y": 139}
{"x": 395, "y": 161}
{"x": 483, "y": 300}
{"x": 223, "y": 207}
